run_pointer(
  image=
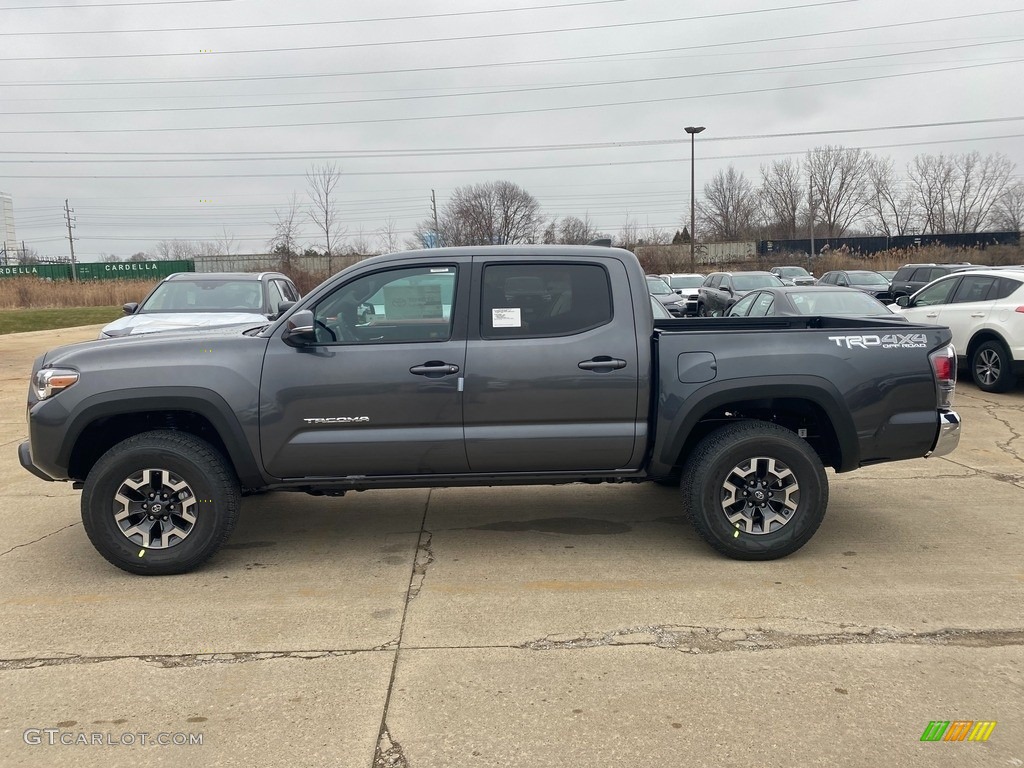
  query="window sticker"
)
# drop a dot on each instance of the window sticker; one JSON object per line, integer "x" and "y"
{"x": 506, "y": 317}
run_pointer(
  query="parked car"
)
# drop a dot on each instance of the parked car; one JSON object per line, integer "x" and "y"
{"x": 686, "y": 285}
{"x": 910, "y": 278}
{"x": 794, "y": 275}
{"x": 205, "y": 300}
{"x": 984, "y": 308}
{"x": 793, "y": 301}
{"x": 743, "y": 415}
{"x": 659, "y": 311}
{"x": 862, "y": 279}
{"x": 721, "y": 290}
{"x": 671, "y": 300}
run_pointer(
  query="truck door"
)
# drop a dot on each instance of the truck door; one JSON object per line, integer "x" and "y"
{"x": 378, "y": 394}
{"x": 551, "y": 366}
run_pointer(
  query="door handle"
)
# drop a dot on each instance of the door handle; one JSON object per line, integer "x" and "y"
{"x": 602, "y": 364}
{"x": 978, "y": 314}
{"x": 932, "y": 314}
{"x": 434, "y": 369}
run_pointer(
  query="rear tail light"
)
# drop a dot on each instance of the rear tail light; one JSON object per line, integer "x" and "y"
{"x": 1019, "y": 309}
{"x": 944, "y": 367}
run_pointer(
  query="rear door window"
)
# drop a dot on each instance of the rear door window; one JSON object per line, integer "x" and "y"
{"x": 521, "y": 301}
{"x": 973, "y": 288}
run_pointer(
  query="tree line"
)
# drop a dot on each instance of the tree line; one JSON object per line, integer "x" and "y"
{"x": 847, "y": 191}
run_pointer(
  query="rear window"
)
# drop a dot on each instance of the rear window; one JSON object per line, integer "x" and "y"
{"x": 1006, "y": 287}
{"x": 686, "y": 281}
{"x": 753, "y": 282}
{"x": 824, "y": 302}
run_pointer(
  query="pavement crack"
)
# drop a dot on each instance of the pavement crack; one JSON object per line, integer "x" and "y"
{"x": 698, "y": 640}
{"x": 424, "y": 557}
{"x": 1005, "y": 446}
{"x": 389, "y": 752}
{"x": 1002, "y": 477}
{"x": 36, "y": 541}
{"x": 176, "y": 661}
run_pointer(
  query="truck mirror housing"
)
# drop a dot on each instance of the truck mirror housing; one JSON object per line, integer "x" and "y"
{"x": 299, "y": 330}
{"x": 130, "y": 308}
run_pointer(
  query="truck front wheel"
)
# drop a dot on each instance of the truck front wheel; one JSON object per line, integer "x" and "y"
{"x": 755, "y": 490}
{"x": 160, "y": 502}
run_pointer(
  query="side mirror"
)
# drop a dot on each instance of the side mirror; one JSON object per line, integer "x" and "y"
{"x": 299, "y": 330}
{"x": 903, "y": 301}
{"x": 282, "y": 307}
{"x": 727, "y": 289}
{"x": 130, "y": 308}
{"x": 365, "y": 314}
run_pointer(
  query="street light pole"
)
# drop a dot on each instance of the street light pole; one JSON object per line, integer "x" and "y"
{"x": 693, "y": 131}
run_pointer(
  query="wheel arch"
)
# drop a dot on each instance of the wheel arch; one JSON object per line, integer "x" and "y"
{"x": 804, "y": 402}
{"x": 107, "y": 419}
{"x": 980, "y": 337}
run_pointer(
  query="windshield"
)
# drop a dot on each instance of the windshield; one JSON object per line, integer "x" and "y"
{"x": 686, "y": 281}
{"x": 206, "y": 296}
{"x": 867, "y": 278}
{"x": 794, "y": 272}
{"x": 825, "y": 302}
{"x": 751, "y": 282}
{"x": 657, "y": 286}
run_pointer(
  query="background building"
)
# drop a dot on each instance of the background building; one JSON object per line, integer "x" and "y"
{"x": 8, "y": 240}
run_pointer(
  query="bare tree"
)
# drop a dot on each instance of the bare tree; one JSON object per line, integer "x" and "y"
{"x": 891, "y": 204}
{"x": 959, "y": 193}
{"x": 629, "y": 234}
{"x": 286, "y": 231}
{"x": 321, "y": 182}
{"x": 576, "y": 231}
{"x": 497, "y": 212}
{"x": 550, "y": 236}
{"x": 226, "y": 242}
{"x": 781, "y": 195}
{"x": 387, "y": 236}
{"x": 729, "y": 210}
{"x": 176, "y": 250}
{"x": 839, "y": 182}
{"x": 1009, "y": 210}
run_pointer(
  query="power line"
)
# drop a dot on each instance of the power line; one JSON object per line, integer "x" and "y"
{"x": 519, "y": 168}
{"x": 168, "y": 157}
{"x": 535, "y": 110}
{"x": 503, "y": 91}
{"x": 589, "y": 58}
{"x": 461, "y": 38}
{"x": 234, "y": 27}
{"x": 112, "y": 5}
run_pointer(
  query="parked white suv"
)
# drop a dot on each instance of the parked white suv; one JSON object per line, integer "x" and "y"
{"x": 685, "y": 285}
{"x": 985, "y": 310}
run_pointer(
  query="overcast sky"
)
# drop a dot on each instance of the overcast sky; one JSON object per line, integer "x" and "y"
{"x": 191, "y": 118}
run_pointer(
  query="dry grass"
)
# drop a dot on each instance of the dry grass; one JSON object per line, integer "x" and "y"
{"x": 36, "y": 293}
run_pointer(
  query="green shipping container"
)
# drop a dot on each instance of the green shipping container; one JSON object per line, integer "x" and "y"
{"x": 44, "y": 271}
{"x": 117, "y": 270}
{"x": 133, "y": 270}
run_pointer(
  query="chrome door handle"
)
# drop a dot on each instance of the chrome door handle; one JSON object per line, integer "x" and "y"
{"x": 978, "y": 314}
{"x": 602, "y": 364}
{"x": 934, "y": 314}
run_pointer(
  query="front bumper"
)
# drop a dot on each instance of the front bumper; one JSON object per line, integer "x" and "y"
{"x": 25, "y": 457}
{"x": 949, "y": 434}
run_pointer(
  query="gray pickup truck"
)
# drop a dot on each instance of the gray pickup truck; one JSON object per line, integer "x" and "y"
{"x": 483, "y": 366}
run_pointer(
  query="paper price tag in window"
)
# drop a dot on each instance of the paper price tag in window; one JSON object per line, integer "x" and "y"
{"x": 506, "y": 317}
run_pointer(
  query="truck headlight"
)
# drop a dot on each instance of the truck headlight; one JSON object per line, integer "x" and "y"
{"x": 50, "y": 381}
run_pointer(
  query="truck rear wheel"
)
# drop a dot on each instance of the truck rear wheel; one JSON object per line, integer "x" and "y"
{"x": 160, "y": 502}
{"x": 755, "y": 490}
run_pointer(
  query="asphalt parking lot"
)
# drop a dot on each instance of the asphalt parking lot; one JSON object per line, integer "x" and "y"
{"x": 567, "y": 626}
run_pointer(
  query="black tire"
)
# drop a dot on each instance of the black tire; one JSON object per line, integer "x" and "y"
{"x": 701, "y": 312}
{"x": 714, "y": 462}
{"x": 171, "y": 461}
{"x": 992, "y": 367}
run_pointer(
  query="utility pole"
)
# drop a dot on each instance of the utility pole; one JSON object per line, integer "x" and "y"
{"x": 437, "y": 230}
{"x": 71, "y": 240}
{"x": 810, "y": 210}
{"x": 693, "y": 131}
